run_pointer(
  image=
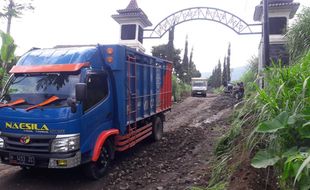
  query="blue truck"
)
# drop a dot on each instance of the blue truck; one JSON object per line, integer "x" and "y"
{"x": 77, "y": 105}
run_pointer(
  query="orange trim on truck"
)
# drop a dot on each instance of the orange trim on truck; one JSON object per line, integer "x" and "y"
{"x": 100, "y": 141}
{"x": 16, "y": 102}
{"x": 49, "y": 68}
{"x": 44, "y": 103}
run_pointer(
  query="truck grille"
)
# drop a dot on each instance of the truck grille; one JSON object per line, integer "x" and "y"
{"x": 37, "y": 144}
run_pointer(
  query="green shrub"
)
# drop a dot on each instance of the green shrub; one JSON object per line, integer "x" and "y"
{"x": 299, "y": 35}
{"x": 218, "y": 90}
{"x": 276, "y": 121}
{"x": 283, "y": 112}
{"x": 179, "y": 89}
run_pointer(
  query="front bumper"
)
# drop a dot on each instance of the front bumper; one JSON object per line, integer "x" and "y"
{"x": 51, "y": 160}
{"x": 199, "y": 92}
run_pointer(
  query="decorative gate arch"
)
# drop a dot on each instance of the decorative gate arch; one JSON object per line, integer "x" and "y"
{"x": 203, "y": 13}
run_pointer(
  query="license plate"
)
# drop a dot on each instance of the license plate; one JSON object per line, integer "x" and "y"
{"x": 198, "y": 92}
{"x": 22, "y": 159}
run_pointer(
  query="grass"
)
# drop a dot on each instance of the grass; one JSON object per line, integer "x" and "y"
{"x": 179, "y": 89}
{"x": 273, "y": 122}
{"x": 282, "y": 111}
{"x": 219, "y": 90}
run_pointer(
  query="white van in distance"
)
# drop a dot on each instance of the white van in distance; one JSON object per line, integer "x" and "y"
{"x": 199, "y": 86}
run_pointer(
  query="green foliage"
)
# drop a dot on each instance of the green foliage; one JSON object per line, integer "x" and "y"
{"x": 7, "y": 56}
{"x": 188, "y": 66}
{"x": 7, "y": 49}
{"x": 215, "y": 79}
{"x": 226, "y": 142}
{"x": 272, "y": 126}
{"x": 228, "y": 63}
{"x": 185, "y": 63}
{"x": 219, "y": 173}
{"x": 299, "y": 35}
{"x": 225, "y": 73}
{"x": 218, "y": 90}
{"x": 175, "y": 89}
{"x": 221, "y": 77}
{"x": 179, "y": 88}
{"x": 250, "y": 76}
{"x": 276, "y": 122}
{"x": 169, "y": 53}
{"x": 196, "y": 188}
{"x": 218, "y": 186}
{"x": 194, "y": 73}
{"x": 264, "y": 158}
{"x": 283, "y": 112}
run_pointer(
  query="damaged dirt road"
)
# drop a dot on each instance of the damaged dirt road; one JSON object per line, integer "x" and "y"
{"x": 179, "y": 161}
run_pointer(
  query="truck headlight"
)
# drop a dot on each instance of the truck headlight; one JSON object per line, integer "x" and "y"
{"x": 66, "y": 143}
{"x": 1, "y": 142}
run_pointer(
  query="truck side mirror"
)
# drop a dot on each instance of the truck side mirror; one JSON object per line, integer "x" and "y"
{"x": 81, "y": 91}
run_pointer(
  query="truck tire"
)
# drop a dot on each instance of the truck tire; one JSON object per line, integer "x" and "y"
{"x": 28, "y": 169}
{"x": 157, "y": 129}
{"x": 96, "y": 170}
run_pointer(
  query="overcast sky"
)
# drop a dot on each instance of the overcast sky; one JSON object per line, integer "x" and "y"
{"x": 55, "y": 22}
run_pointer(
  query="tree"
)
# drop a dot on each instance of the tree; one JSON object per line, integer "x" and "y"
{"x": 171, "y": 39}
{"x": 193, "y": 70}
{"x": 14, "y": 9}
{"x": 219, "y": 74}
{"x": 299, "y": 35}
{"x": 168, "y": 52}
{"x": 215, "y": 79}
{"x": 228, "y": 64}
{"x": 224, "y": 74}
{"x": 7, "y": 50}
{"x": 211, "y": 81}
{"x": 185, "y": 63}
{"x": 7, "y": 54}
{"x": 162, "y": 51}
{"x": 251, "y": 74}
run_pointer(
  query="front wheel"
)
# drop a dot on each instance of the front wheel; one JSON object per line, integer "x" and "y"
{"x": 157, "y": 129}
{"x": 96, "y": 170}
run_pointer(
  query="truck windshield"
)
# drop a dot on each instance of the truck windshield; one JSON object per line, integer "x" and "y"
{"x": 199, "y": 84}
{"x": 37, "y": 88}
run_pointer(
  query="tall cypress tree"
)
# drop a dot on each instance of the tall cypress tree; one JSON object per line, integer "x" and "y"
{"x": 228, "y": 64}
{"x": 219, "y": 74}
{"x": 185, "y": 63}
{"x": 192, "y": 67}
{"x": 224, "y": 74}
{"x": 170, "y": 43}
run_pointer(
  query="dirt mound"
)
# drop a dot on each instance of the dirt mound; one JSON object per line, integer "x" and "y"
{"x": 247, "y": 177}
{"x": 222, "y": 102}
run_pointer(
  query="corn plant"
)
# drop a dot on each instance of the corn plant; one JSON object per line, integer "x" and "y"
{"x": 283, "y": 127}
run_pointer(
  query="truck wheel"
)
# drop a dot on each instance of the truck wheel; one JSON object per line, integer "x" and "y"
{"x": 157, "y": 129}
{"x": 96, "y": 170}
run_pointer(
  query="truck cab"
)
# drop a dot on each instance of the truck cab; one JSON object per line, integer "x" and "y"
{"x": 199, "y": 87}
{"x": 43, "y": 122}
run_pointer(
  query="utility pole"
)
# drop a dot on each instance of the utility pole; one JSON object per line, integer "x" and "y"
{"x": 266, "y": 34}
